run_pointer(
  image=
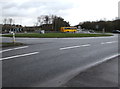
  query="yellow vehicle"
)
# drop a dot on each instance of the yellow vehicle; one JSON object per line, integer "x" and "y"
{"x": 68, "y": 29}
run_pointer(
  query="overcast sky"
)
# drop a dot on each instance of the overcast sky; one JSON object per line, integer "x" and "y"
{"x": 25, "y": 12}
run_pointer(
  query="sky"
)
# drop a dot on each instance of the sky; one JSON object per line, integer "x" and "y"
{"x": 25, "y": 12}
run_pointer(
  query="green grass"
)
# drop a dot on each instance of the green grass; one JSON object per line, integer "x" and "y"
{"x": 57, "y": 35}
{"x": 9, "y": 44}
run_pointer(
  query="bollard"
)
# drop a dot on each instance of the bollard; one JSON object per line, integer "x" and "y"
{"x": 13, "y": 37}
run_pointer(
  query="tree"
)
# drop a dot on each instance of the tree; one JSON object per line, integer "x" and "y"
{"x": 10, "y": 21}
{"x": 59, "y": 22}
{"x": 51, "y": 20}
{"x": 40, "y": 20}
{"x": 46, "y": 19}
{"x": 107, "y": 25}
{"x": 4, "y": 21}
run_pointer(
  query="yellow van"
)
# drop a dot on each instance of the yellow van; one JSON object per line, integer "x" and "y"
{"x": 68, "y": 29}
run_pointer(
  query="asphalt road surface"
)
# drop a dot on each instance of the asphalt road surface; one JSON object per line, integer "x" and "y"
{"x": 102, "y": 75}
{"x": 51, "y": 62}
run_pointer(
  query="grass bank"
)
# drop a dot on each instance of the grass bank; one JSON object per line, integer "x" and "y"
{"x": 10, "y": 44}
{"x": 56, "y": 35}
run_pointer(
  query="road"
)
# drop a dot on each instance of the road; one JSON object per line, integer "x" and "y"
{"x": 51, "y": 62}
{"x": 103, "y": 75}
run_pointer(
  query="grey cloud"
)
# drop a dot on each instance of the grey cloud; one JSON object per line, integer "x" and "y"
{"x": 13, "y": 12}
{"x": 40, "y": 7}
{"x": 47, "y": 5}
{"x": 27, "y": 5}
{"x": 9, "y": 5}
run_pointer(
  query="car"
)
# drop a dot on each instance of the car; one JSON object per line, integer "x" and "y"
{"x": 116, "y": 31}
{"x": 91, "y": 31}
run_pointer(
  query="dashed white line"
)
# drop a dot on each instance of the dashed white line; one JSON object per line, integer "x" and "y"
{"x": 109, "y": 42}
{"x": 13, "y": 49}
{"x": 71, "y": 47}
{"x": 85, "y": 45}
{"x": 22, "y": 55}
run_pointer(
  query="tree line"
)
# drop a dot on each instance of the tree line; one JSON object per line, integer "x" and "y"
{"x": 54, "y": 23}
{"x": 51, "y": 22}
{"x": 44, "y": 22}
{"x": 109, "y": 26}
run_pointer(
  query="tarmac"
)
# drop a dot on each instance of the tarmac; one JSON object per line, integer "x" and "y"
{"x": 102, "y": 75}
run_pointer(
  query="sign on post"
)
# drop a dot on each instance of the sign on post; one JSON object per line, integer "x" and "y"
{"x": 43, "y": 31}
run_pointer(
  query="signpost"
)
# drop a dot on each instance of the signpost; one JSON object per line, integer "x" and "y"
{"x": 43, "y": 31}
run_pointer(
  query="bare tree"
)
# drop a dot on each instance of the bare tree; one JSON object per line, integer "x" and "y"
{"x": 10, "y": 21}
{"x": 7, "y": 21}
{"x": 47, "y": 19}
{"x": 40, "y": 20}
{"x": 52, "y": 17}
{"x": 4, "y": 21}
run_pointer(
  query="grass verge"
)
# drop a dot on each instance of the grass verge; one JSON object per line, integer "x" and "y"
{"x": 56, "y": 35}
{"x": 10, "y": 44}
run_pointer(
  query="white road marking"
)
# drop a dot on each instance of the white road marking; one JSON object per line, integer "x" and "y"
{"x": 65, "y": 77}
{"x": 13, "y": 49}
{"x": 85, "y": 45}
{"x": 70, "y": 47}
{"x": 22, "y": 55}
{"x": 108, "y": 42}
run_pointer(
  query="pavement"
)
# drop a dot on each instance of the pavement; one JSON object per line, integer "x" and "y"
{"x": 51, "y": 62}
{"x": 102, "y": 75}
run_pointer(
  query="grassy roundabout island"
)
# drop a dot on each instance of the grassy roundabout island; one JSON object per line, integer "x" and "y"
{"x": 56, "y": 35}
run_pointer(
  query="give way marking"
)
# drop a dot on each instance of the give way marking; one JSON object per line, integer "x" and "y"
{"x": 22, "y": 55}
{"x": 13, "y": 49}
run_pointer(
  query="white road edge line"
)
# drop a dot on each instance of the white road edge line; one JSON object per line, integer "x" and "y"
{"x": 13, "y": 49}
{"x": 65, "y": 77}
{"x": 108, "y": 42}
{"x": 71, "y": 47}
{"x": 19, "y": 55}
